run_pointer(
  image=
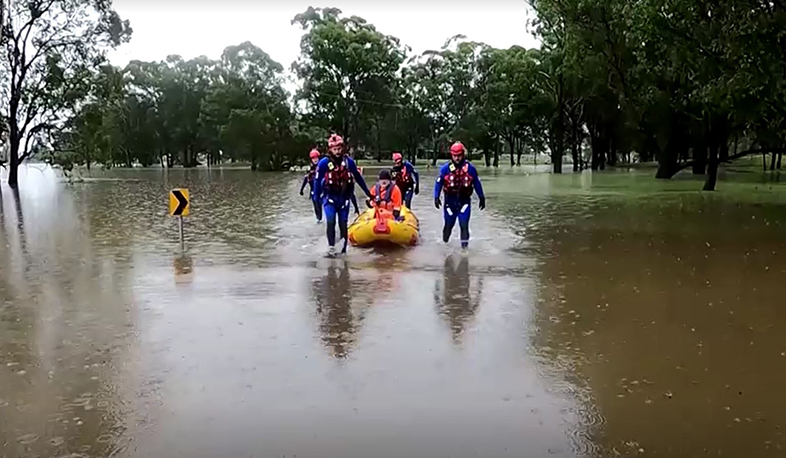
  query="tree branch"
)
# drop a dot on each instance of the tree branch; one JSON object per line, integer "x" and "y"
{"x": 736, "y": 156}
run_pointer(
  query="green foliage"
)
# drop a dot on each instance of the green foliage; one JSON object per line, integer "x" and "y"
{"x": 176, "y": 111}
{"x": 348, "y": 70}
{"x": 50, "y": 49}
{"x": 613, "y": 81}
{"x": 674, "y": 81}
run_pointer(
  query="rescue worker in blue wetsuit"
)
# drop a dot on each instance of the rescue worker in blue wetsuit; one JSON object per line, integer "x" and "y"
{"x": 333, "y": 186}
{"x": 458, "y": 178}
{"x": 406, "y": 178}
{"x": 309, "y": 180}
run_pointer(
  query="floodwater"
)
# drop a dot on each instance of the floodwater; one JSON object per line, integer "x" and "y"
{"x": 594, "y": 315}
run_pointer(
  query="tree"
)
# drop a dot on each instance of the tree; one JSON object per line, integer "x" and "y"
{"x": 673, "y": 81}
{"x": 509, "y": 101}
{"x": 50, "y": 48}
{"x": 245, "y": 112}
{"x": 346, "y": 67}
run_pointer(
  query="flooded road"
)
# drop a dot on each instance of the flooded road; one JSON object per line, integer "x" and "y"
{"x": 594, "y": 316}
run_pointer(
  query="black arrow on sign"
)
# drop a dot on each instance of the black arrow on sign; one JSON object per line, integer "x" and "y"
{"x": 182, "y": 202}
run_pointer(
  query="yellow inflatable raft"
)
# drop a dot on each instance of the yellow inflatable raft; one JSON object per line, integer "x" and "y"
{"x": 368, "y": 230}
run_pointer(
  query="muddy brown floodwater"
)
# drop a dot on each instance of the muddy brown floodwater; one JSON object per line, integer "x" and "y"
{"x": 594, "y": 316}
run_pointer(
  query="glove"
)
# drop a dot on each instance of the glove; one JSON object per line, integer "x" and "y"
{"x": 417, "y": 188}
{"x": 482, "y": 203}
{"x": 437, "y": 202}
{"x": 368, "y": 203}
{"x": 301, "y": 192}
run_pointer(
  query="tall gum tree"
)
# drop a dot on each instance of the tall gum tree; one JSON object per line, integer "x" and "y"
{"x": 49, "y": 49}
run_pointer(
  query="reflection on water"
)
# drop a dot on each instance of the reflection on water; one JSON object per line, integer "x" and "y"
{"x": 184, "y": 268}
{"x": 667, "y": 313}
{"x": 332, "y": 295}
{"x": 454, "y": 301}
{"x": 63, "y": 331}
{"x": 595, "y": 315}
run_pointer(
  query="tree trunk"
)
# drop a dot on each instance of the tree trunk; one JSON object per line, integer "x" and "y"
{"x": 723, "y": 152}
{"x": 13, "y": 157}
{"x": 559, "y": 150}
{"x": 764, "y": 161}
{"x": 519, "y": 151}
{"x": 604, "y": 152}
{"x": 612, "y": 154}
{"x": 190, "y": 157}
{"x": 667, "y": 167}
{"x": 496, "y": 152}
{"x": 575, "y": 153}
{"x": 595, "y": 141}
{"x": 574, "y": 147}
{"x": 700, "y": 159}
{"x": 512, "y": 145}
{"x": 254, "y": 164}
{"x": 780, "y": 155}
{"x": 712, "y": 169}
{"x": 557, "y": 144}
{"x": 556, "y": 160}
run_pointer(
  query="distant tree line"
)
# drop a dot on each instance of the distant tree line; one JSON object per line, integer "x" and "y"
{"x": 687, "y": 84}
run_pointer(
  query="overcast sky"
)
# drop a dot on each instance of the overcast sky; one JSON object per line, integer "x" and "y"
{"x": 205, "y": 27}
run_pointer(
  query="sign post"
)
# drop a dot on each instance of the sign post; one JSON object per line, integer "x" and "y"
{"x": 182, "y": 239}
{"x": 180, "y": 206}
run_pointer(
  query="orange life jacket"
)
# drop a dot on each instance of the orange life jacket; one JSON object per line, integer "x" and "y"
{"x": 383, "y": 197}
{"x": 386, "y": 200}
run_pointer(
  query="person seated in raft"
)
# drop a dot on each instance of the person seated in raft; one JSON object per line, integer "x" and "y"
{"x": 386, "y": 197}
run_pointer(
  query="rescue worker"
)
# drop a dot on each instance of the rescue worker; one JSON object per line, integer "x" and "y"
{"x": 314, "y": 155}
{"x": 333, "y": 186}
{"x": 386, "y": 197}
{"x": 406, "y": 177}
{"x": 458, "y": 178}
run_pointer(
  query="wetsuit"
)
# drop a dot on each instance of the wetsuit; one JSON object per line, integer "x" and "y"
{"x": 458, "y": 182}
{"x": 408, "y": 181}
{"x": 309, "y": 179}
{"x": 334, "y": 187}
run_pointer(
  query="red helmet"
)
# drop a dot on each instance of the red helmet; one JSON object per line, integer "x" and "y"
{"x": 457, "y": 148}
{"x": 335, "y": 140}
{"x": 314, "y": 154}
{"x": 397, "y": 157}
